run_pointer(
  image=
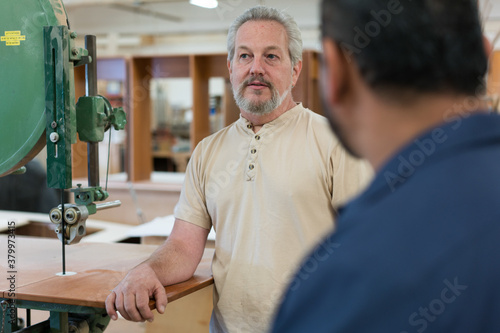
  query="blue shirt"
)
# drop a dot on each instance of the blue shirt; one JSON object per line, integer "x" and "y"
{"x": 419, "y": 250}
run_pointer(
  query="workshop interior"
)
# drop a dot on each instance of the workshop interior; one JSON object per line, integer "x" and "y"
{"x": 102, "y": 105}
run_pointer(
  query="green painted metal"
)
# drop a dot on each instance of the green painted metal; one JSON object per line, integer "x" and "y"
{"x": 118, "y": 119}
{"x": 87, "y": 195}
{"x": 61, "y": 55}
{"x": 8, "y": 316}
{"x": 91, "y": 118}
{"x": 34, "y": 305}
{"x": 22, "y": 92}
{"x": 59, "y": 322}
{"x": 61, "y": 316}
{"x": 95, "y": 115}
{"x": 59, "y": 106}
{"x": 41, "y": 327}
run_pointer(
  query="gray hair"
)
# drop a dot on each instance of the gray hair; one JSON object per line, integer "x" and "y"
{"x": 262, "y": 13}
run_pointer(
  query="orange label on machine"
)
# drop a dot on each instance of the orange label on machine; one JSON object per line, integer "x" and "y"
{"x": 12, "y": 38}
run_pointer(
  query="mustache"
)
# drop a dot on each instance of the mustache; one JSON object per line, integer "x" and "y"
{"x": 257, "y": 79}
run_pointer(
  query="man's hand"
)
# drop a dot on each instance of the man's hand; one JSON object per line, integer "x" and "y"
{"x": 131, "y": 296}
{"x": 173, "y": 262}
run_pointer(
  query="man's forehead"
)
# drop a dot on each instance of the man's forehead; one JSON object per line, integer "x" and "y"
{"x": 262, "y": 34}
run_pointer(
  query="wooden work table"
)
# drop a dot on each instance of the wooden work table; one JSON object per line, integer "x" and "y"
{"x": 99, "y": 268}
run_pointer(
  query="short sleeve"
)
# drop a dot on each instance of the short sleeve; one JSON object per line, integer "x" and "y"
{"x": 192, "y": 206}
{"x": 350, "y": 175}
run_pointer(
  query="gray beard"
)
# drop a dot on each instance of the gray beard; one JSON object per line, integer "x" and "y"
{"x": 258, "y": 108}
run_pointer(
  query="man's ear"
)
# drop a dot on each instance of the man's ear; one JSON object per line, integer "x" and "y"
{"x": 334, "y": 72}
{"x": 296, "y": 72}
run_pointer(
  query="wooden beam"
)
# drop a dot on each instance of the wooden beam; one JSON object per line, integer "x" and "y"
{"x": 313, "y": 82}
{"x": 79, "y": 150}
{"x": 140, "y": 162}
{"x": 170, "y": 67}
{"x": 493, "y": 83}
{"x": 216, "y": 65}
{"x": 200, "y": 127}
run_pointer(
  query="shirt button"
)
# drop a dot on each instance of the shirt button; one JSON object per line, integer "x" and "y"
{"x": 249, "y": 126}
{"x": 257, "y": 137}
{"x": 253, "y": 151}
{"x": 251, "y": 166}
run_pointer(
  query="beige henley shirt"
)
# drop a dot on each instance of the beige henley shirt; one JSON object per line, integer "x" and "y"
{"x": 269, "y": 197}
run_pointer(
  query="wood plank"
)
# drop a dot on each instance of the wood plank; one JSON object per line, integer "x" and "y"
{"x": 170, "y": 67}
{"x": 313, "y": 82}
{"x": 39, "y": 259}
{"x": 140, "y": 161}
{"x": 188, "y": 314}
{"x": 19, "y": 218}
{"x": 299, "y": 94}
{"x": 493, "y": 84}
{"x": 306, "y": 90}
{"x": 79, "y": 150}
{"x": 99, "y": 267}
{"x": 200, "y": 127}
{"x": 216, "y": 65}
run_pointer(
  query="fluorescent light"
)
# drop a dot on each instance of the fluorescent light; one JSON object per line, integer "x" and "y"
{"x": 205, "y": 3}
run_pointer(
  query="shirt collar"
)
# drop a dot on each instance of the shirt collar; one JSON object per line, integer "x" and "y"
{"x": 282, "y": 119}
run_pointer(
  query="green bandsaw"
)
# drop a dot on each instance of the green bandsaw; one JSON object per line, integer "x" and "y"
{"x": 22, "y": 73}
{"x": 37, "y": 108}
{"x": 37, "y": 59}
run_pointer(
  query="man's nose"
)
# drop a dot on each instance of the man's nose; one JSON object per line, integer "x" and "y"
{"x": 257, "y": 67}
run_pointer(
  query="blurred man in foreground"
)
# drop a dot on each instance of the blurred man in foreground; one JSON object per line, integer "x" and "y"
{"x": 419, "y": 250}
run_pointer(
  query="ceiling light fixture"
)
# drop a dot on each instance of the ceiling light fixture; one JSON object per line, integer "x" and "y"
{"x": 205, "y": 3}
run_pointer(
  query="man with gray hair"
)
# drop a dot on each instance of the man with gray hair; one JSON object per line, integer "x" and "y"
{"x": 267, "y": 184}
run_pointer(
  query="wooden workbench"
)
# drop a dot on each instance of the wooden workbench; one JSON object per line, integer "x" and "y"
{"x": 99, "y": 268}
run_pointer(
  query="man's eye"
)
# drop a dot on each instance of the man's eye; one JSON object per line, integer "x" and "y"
{"x": 244, "y": 56}
{"x": 272, "y": 56}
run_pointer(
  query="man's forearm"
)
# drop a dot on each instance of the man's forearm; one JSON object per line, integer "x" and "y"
{"x": 174, "y": 262}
